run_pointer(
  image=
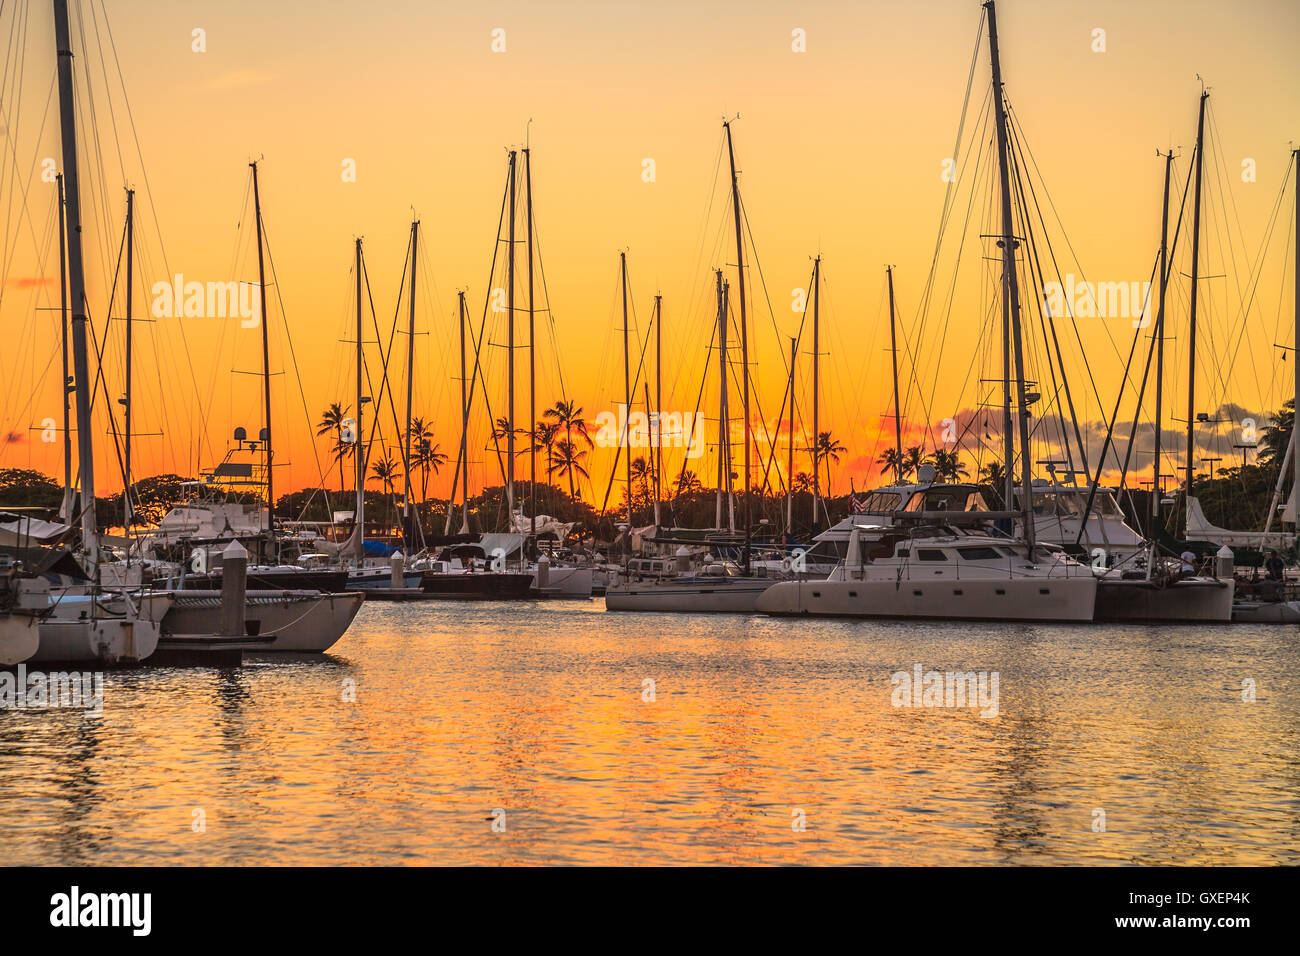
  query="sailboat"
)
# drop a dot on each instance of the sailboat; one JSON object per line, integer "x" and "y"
{"x": 939, "y": 565}
{"x": 285, "y": 607}
{"x": 1273, "y": 607}
{"x": 714, "y": 584}
{"x": 24, "y": 601}
{"x": 132, "y": 637}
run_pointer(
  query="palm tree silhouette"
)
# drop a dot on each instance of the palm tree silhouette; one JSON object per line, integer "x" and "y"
{"x": 331, "y": 422}
{"x": 387, "y": 471}
{"x": 544, "y": 437}
{"x": 568, "y": 461}
{"x": 913, "y": 459}
{"x": 641, "y": 475}
{"x": 427, "y": 455}
{"x": 829, "y": 449}
{"x": 568, "y": 416}
{"x": 947, "y": 466}
{"x": 892, "y": 460}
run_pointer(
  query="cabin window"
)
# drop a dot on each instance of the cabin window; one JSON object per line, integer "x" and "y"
{"x": 930, "y": 554}
{"x": 880, "y": 502}
{"x": 979, "y": 554}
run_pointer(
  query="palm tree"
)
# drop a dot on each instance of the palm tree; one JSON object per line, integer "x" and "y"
{"x": 568, "y": 461}
{"x": 501, "y": 430}
{"x": 913, "y": 459}
{"x": 641, "y": 475}
{"x": 801, "y": 482}
{"x": 995, "y": 476}
{"x": 568, "y": 416}
{"x": 331, "y": 422}
{"x": 387, "y": 471}
{"x": 544, "y": 437}
{"x": 892, "y": 460}
{"x": 947, "y": 466}
{"x": 688, "y": 483}
{"x": 424, "y": 453}
{"x": 828, "y": 449}
{"x": 427, "y": 455}
{"x": 1274, "y": 437}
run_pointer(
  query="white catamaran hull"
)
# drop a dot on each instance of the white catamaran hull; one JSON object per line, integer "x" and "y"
{"x": 1039, "y": 599}
{"x": 299, "y": 621}
{"x": 19, "y": 638}
{"x": 1200, "y": 599}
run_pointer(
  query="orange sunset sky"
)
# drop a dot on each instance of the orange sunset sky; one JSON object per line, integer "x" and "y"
{"x": 841, "y": 149}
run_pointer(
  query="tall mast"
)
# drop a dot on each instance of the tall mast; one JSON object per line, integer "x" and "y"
{"x": 532, "y": 353}
{"x": 510, "y": 350}
{"x": 627, "y": 391}
{"x": 266, "y": 364}
{"x": 359, "y": 548}
{"x": 659, "y": 403}
{"x": 464, "y": 420}
{"x": 817, "y": 284}
{"x": 645, "y": 387}
{"x": 744, "y": 333}
{"x": 1196, "y": 273}
{"x": 69, "y": 504}
{"x": 789, "y": 468}
{"x": 1160, "y": 339}
{"x": 893, "y": 348}
{"x": 1295, "y": 474}
{"x": 127, "y": 402}
{"x": 724, "y": 425}
{"x": 408, "y": 527}
{"x": 1011, "y": 294}
{"x": 76, "y": 282}
{"x": 731, "y": 494}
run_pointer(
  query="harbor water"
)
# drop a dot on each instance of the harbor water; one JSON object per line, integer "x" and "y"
{"x": 558, "y": 733}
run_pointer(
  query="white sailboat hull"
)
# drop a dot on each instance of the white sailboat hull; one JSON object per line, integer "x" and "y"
{"x": 109, "y": 641}
{"x": 1031, "y": 599}
{"x": 305, "y": 622}
{"x": 701, "y": 597}
{"x": 1266, "y": 612}
{"x": 565, "y": 582}
{"x": 19, "y": 638}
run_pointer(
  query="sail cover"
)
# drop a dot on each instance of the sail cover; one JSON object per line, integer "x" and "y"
{"x": 1200, "y": 529}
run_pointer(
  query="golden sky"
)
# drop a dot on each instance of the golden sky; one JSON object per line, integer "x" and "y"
{"x": 840, "y": 147}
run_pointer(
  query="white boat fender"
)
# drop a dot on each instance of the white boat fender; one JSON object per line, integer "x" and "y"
{"x": 1223, "y": 564}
